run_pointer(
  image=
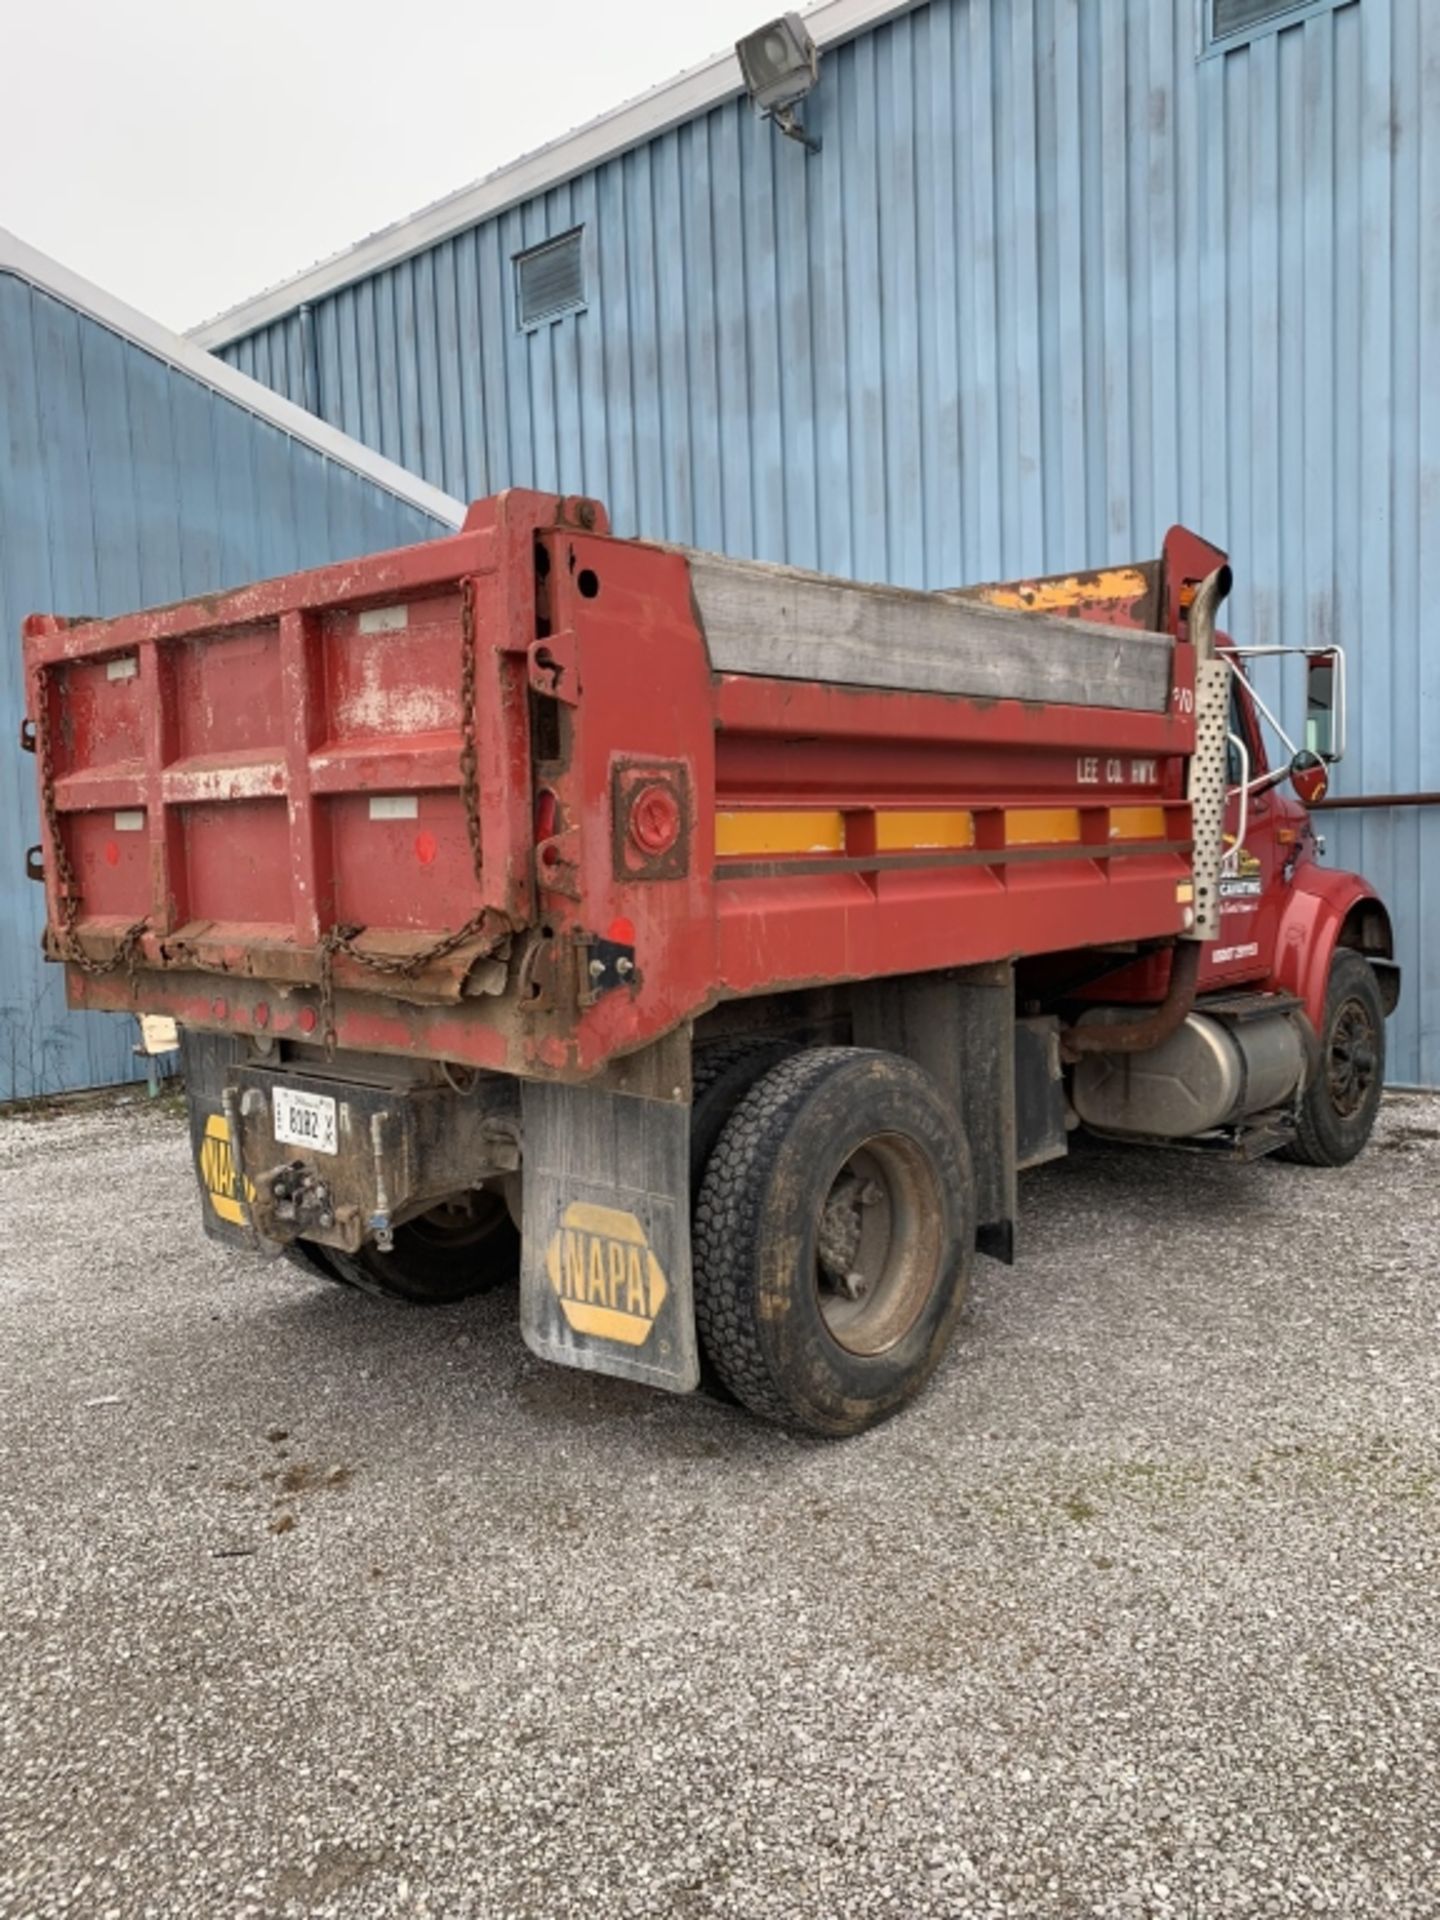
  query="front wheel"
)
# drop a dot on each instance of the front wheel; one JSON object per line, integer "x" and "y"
{"x": 832, "y": 1241}
{"x": 1338, "y": 1108}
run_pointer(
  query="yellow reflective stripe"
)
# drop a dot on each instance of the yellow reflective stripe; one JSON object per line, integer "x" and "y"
{"x": 1137, "y": 823}
{"x": 898, "y": 830}
{"x": 779, "y": 831}
{"x": 1041, "y": 826}
{"x": 903, "y": 831}
{"x": 773, "y": 830}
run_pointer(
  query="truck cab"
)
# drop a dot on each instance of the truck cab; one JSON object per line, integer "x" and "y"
{"x": 1295, "y": 936}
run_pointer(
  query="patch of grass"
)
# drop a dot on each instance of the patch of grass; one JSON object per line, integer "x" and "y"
{"x": 131, "y": 1097}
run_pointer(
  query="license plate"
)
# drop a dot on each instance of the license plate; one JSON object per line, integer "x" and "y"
{"x": 305, "y": 1120}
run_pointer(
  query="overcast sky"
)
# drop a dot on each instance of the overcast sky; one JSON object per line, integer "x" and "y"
{"x": 184, "y": 155}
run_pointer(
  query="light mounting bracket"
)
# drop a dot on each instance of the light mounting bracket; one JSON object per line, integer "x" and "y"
{"x": 780, "y": 64}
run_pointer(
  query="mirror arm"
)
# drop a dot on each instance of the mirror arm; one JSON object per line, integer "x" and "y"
{"x": 1268, "y": 780}
{"x": 1339, "y": 716}
{"x": 1231, "y": 862}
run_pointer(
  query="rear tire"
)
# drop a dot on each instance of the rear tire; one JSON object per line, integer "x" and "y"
{"x": 833, "y": 1240}
{"x": 446, "y": 1255}
{"x": 723, "y": 1074}
{"x": 1338, "y": 1108}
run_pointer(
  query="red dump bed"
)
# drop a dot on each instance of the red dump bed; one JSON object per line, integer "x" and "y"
{"x": 529, "y": 796}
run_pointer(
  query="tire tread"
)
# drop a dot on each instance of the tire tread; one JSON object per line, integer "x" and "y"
{"x": 729, "y": 1224}
{"x": 1310, "y": 1147}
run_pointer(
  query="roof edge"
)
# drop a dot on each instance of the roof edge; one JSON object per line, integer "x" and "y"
{"x": 38, "y": 270}
{"x": 689, "y": 94}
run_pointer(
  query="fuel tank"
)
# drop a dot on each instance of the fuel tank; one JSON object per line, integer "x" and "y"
{"x": 1217, "y": 1068}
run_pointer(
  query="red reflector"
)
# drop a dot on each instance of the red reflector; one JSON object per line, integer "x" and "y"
{"x": 622, "y": 932}
{"x": 655, "y": 819}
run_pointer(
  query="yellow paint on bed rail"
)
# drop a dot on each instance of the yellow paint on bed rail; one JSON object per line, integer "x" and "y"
{"x": 779, "y": 830}
{"x": 1041, "y": 826}
{"x": 1069, "y": 593}
{"x": 766, "y": 831}
{"x": 1137, "y": 823}
{"x": 916, "y": 830}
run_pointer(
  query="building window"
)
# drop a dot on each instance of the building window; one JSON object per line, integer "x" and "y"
{"x": 1227, "y": 24}
{"x": 550, "y": 279}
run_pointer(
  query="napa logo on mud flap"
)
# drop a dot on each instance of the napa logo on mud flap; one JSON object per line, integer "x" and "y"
{"x": 608, "y": 1282}
{"x": 217, "y": 1172}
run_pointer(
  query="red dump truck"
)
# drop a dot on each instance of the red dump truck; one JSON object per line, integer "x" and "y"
{"x": 710, "y": 942}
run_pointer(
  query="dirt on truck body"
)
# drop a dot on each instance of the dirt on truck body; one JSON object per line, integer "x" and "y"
{"x": 709, "y": 942}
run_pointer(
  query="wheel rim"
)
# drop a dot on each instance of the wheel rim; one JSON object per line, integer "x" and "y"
{"x": 877, "y": 1244}
{"x": 1353, "y": 1059}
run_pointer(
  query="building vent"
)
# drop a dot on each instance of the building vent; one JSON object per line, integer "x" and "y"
{"x": 1230, "y": 18}
{"x": 550, "y": 279}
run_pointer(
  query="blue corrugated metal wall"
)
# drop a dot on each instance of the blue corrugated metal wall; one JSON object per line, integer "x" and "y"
{"x": 124, "y": 483}
{"x": 1053, "y": 282}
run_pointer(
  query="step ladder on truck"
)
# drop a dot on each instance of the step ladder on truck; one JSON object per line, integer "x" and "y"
{"x": 710, "y": 943}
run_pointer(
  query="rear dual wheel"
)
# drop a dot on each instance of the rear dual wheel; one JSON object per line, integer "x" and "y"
{"x": 832, "y": 1239}
{"x": 455, "y": 1251}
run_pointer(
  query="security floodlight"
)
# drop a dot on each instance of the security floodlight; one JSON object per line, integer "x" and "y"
{"x": 780, "y": 65}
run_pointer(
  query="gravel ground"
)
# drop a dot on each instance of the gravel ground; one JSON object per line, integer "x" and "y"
{"x": 313, "y": 1606}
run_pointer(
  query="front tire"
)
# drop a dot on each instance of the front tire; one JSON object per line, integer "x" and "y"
{"x": 1338, "y": 1108}
{"x": 833, "y": 1239}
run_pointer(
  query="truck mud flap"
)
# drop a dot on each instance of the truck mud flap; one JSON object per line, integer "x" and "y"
{"x": 605, "y": 1276}
{"x": 206, "y": 1062}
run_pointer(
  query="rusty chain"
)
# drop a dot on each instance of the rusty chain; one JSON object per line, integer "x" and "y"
{"x": 67, "y": 887}
{"x": 398, "y": 965}
{"x": 469, "y": 757}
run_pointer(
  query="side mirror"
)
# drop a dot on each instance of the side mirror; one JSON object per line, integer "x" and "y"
{"x": 1325, "y": 704}
{"x": 1309, "y": 776}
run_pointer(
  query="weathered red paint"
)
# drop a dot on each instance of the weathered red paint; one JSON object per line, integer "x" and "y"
{"x": 296, "y": 751}
{"x": 1312, "y": 920}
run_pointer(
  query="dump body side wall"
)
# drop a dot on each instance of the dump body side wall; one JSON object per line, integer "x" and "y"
{"x": 654, "y": 835}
